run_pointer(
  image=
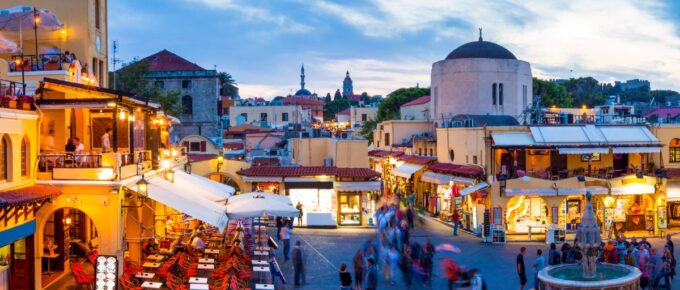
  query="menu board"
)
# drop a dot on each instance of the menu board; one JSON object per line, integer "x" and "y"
{"x": 106, "y": 273}
{"x": 661, "y": 217}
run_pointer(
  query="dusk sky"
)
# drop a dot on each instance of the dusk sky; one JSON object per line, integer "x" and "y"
{"x": 388, "y": 44}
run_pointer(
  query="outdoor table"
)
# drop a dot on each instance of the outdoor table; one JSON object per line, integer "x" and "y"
{"x": 544, "y": 227}
{"x": 145, "y": 275}
{"x": 199, "y": 286}
{"x": 260, "y": 263}
{"x": 260, "y": 269}
{"x": 206, "y": 261}
{"x": 198, "y": 280}
{"x": 206, "y": 266}
{"x": 211, "y": 251}
{"x": 155, "y": 257}
{"x": 261, "y": 253}
{"x": 165, "y": 251}
{"x": 264, "y": 286}
{"x": 49, "y": 258}
{"x": 259, "y": 248}
{"x": 151, "y": 265}
{"x": 152, "y": 285}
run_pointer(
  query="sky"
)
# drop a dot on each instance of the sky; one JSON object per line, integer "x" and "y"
{"x": 389, "y": 44}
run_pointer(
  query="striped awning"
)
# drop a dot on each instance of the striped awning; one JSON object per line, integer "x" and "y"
{"x": 474, "y": 188}
{"x": 406, "y": 170}
{"x": 444, "y": 179}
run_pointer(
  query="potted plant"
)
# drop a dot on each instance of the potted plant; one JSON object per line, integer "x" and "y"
{"x": 24, "y": 102}
{"x": 9, "y": 102}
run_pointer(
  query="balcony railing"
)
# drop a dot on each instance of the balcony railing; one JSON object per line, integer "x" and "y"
{"x": 563, "y": 173}
{"x": 93, "y": 166}
{"x": 42, "y": 62}
{"x": 47, "y": 162}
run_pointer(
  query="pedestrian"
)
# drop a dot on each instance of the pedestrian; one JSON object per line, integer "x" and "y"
{"x": 106, "y": 140}
{"x": 371, "y": 280}
{"x": 476, "y": 281}
{"x": 644, "y": 241}
{"x": 405, "y": 266}
{"x": 345, "y": 278}
{"x": 539, "y": 263}
{"x": 644, "y": 265}
{"x": 285, "y": 236}
{"x": 456, "y": 222}
{"x": 279, "y": 225}
{"x": 566, "y": 248}
{"x": 669, "y": 244}
{"x": 450, "y": 270}
{"x": 409, "y": 216}
{"x": 521, "y": 270}
{"x": 622, "y": 251}
{"x": 393, "y": 258}
{"x": 358, "y": 263}
{"x": 553, "y": 255}
{"x": 427, "y": 258}
{"x": 299, "y": 208}
{"x": 669, "y": 267}
{"x": 298, "y": 263}
{"x": 411, "y": 200}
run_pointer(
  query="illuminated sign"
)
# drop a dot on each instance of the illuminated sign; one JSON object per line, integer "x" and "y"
{"x": 106, "y": 273}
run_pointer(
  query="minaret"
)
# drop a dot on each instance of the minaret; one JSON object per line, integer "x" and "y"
{"x": 302, "y": 77}
{"x": 347, "y": 85}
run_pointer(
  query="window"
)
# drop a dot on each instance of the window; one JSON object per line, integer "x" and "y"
{"x": 97, "y": 14}
{"x": 493, "y": 93}
{"x": 500, "y": 94}
{"x": 94, "y": 67}
{"x": 245, "y": 117}
{"x": 101, "y": 72}
{"x": 159, "y": 84}
{"x": 263, "y": 117}
{"x": 364, "y": 117}
{"x": 4, "y": 159}
{"x": 420, "y": 151}
{"x": 186, "y": 84}
{"x": 524, "y": 96}
{"x": 195, "y": 146}
{"x": 387, "y": 139}
{"x": 451, "y": 155}
{"x": 674, "y": 151}
{"x": 431, "y": 152}
{"x": 284, "y": 117}
{"x": 24, "y": 157}
{"x": 188, "y": 104}
{"x": 474, "y": 159}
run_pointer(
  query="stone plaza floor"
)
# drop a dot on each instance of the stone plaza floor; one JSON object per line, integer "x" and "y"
{"x": 326, "y": 249}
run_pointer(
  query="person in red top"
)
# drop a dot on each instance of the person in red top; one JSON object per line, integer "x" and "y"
{"x": 456, "y": 222}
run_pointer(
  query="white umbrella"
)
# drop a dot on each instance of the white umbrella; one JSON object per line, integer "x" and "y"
{"x": 257, "y": 204}
{"x": 7, "y": 46}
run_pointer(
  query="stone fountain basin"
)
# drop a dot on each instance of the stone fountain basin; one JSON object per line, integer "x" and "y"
{"x": 617, "y": 276}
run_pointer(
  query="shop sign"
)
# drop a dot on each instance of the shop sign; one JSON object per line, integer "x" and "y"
{"x": 598, "y": 183}
{"x": 633, "y": 180}
{"x": 661, "y": 217}
{"x": 106, "y": 272}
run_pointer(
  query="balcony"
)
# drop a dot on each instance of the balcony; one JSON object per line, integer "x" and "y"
{"x": 93, "y": 166}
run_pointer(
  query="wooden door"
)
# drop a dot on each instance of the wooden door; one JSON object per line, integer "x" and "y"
{"x": 21, "y": 276}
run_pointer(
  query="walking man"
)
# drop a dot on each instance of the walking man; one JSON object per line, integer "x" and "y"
{"x": 371, "y": 280}
{"x": 521, "y": 270}
{"x": 539, "y": 263}
{"x": 456, "y": 222}
{"x": 285, "y": 236}
{"x": 299, "y": 208}
{"x": 298, "y": 264}
{"x": 279, "y": 225}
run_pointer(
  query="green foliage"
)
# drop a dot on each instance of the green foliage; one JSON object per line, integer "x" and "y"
{"x": 653, "y": 119}
{"x": 367, "y": 130}
{"x": 228, "y": 84}
{"x": 389, "y": 108}
{"x": 587, "y": 91}
{"x": 328, "y": 98}
{"x": 337, "y": 96}
{"x": 330, "y": 109}
{"x": 552, "y": 94}
{"x": 131, "y": 79}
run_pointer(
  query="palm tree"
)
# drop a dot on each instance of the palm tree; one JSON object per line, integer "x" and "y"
{"x": 228, "y": 85}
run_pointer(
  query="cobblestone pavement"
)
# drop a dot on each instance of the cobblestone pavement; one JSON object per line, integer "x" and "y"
{"x": 327, "y": 248}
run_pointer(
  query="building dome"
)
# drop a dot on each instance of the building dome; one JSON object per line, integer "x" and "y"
{"x": 303, "y": 92}
{"x": 481, "y": 49}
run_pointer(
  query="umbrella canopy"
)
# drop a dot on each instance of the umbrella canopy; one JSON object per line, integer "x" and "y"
{"x": 256, "y": 204}
{"x": 19, "y": 18}
{"x": 7, "y": 46}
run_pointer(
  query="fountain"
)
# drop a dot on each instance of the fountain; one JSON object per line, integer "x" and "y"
{"x": 587, "y": 273}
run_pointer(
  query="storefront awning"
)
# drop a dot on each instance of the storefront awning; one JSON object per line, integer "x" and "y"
{"x": 673, "y": 191}
{"x": 14, "y": 233}
{"x": 579, "y": 151}
{"x": 187, "y": 202}
{"x": 349, "y": 186}
{"x": 444, "y": 179}
{"x": 476, "y": 187}
{"x": 627, "y": 150}
{"x": 262, "y": 179}
{"x": 633, "y": 189}
{"x": 594, "y": 190}
{"x": 530, "y": 192}
{"x": 406, "y": 170}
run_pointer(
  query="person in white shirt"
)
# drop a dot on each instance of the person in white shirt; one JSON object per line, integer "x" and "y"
{"x": 106, "y": 140}
{"x": 197, "y": 243}
{"x": 476, "y": 281}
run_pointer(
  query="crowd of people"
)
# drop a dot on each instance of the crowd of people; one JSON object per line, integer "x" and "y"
{"x": 657, "y": 266}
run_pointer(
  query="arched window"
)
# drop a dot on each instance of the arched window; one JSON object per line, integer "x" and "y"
{"x": 4, "y": 159}
{"x": 451, "y": 155}
{"x": 24, "y": 157}
{"x": 188, "y": 105}
{"x": 500, "y": 94}
{"x": 493, "y": 93}
{"x": 674, "y": 151}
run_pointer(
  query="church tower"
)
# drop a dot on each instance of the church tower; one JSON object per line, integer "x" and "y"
{"x": 347, "y": 88}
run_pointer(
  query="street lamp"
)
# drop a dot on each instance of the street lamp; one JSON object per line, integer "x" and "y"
{"x": 503, "y": 178}
{"x": 170, "y": 176}
{"x": 220, "y": 161}
{"x": 142, "y": 192}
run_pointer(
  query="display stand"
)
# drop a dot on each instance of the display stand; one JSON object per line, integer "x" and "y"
{"x": 498, "y": 235}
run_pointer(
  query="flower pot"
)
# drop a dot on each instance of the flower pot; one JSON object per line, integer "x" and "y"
{"x": 12, "y": 104}
{"x": 24, "y": 106}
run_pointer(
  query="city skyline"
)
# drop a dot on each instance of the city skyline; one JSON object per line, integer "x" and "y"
{"x": 388, "y": 45}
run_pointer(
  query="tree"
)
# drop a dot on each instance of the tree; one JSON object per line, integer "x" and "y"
{"x": 552, "y": 94}
{"x": 132, "y": 79}
{"x": 365, "y": 98}
{"x": 328, "y": 98}
{"x": 227, "y": 85}
{"x": 337, "y": 96}
{"x": 367, "y": 129}
{"x": 389, "y": 108}
{"x": 332, "y": 108}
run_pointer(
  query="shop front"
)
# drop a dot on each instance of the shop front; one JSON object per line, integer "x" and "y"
{"x": 317, "y": 199}
{"x": 472, "y": 206}
{"x": 673, "y": 203}
{"x": 356, "y": 202}
{"x": 444, "y": 195}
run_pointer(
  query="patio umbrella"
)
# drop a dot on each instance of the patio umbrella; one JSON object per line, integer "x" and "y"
{"x": 257, "y": 204}
{"x": 18, "y": 18}
{"x": 7, "y": 46}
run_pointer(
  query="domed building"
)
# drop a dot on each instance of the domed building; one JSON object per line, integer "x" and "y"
{"x": 302, "y": 92}
{"x": 480, "y": 78}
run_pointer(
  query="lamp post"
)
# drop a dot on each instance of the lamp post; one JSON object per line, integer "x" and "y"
{"x": 142, "y": 193}
{"x": 502, "y": 179}
{"x": 220, "y": 161}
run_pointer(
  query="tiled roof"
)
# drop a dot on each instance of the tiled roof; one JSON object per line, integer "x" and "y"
{"x": 289, "y": 171}
{"x": 301, "y": 101}
{"x": 415, "y": 159}
{"x": 245, "y": 128}
{"x": 344, "y": 112}
{"x": 165, "y": 60}
{"x": 233, "y": 145}
{"x": 457, "y": 169}
{"x": 418, "y": 101}
{"x": 265, "y": 161}
{"x": 201, "y": 157}
{"x": 29, "y": 194}
{"x": 384, "y": 153}
{"x": 663, "y": 112}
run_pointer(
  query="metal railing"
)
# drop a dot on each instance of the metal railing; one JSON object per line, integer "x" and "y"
{"x": 47, "y": 162}
{"x": 559, "y": 174}
{"x": 41, "y": 62}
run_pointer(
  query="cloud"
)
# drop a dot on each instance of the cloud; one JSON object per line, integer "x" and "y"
{"x": 608, "y": 38}
{"x": 253, "y": 13}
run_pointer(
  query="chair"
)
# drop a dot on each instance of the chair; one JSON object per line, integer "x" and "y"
{"x": 554, "y": 173}
{"x": 82, "y": 279}
{"x": 129, "y": 283}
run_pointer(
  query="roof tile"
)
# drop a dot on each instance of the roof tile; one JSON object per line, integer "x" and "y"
{"x": 165, "y": 60}
{"x": 458, "y": 170}
{"x": 290, "y": 171}
{"x": 418, "y": 101}
{"x": 28, "y": 194}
